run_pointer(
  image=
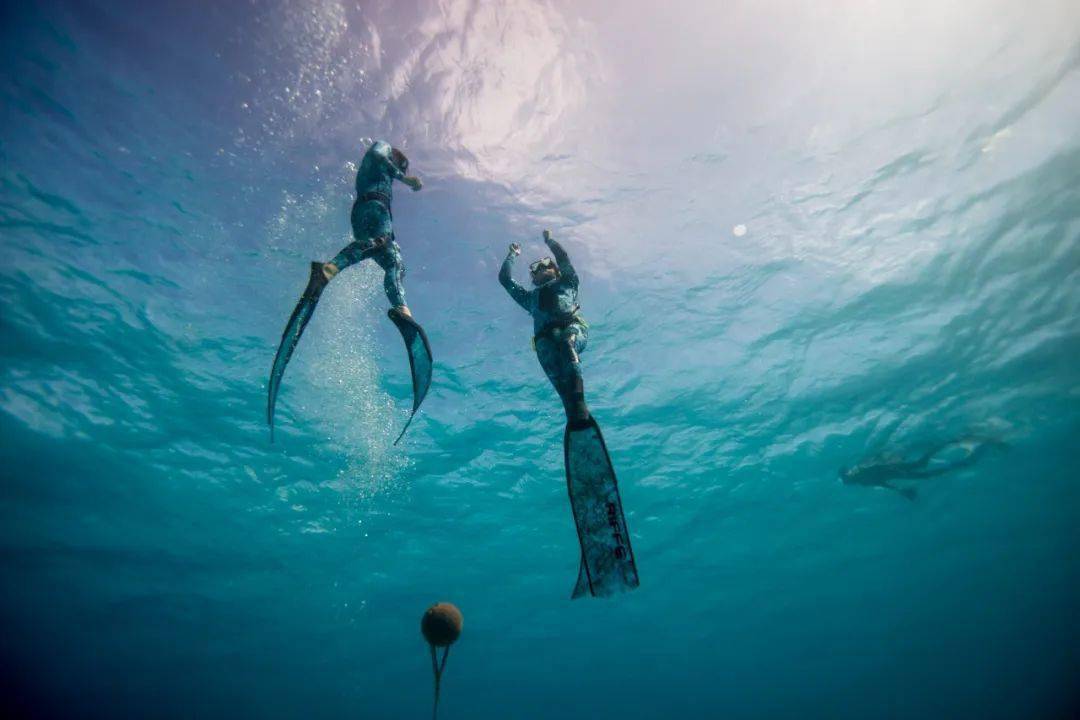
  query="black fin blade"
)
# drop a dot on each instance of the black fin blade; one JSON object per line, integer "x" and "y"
{"x": 607, "y": 559}
{"x": 420, "y": 362}
{"x": 301, "y": 314}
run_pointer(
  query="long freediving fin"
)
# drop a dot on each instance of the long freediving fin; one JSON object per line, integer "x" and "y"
{"x": 607, "y": 559}
{"x": 420, "y": 362}
{"x": 301, "y": 314}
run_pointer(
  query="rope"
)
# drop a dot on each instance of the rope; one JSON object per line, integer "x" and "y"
{"x": 437, "y": 669}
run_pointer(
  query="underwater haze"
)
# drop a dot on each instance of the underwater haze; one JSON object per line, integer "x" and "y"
{"x": 809, "y": 234}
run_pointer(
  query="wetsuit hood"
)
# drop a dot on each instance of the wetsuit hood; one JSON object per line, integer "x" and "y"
{"x": 399, "y": 159}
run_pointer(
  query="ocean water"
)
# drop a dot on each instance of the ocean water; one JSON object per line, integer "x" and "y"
{"x": 808, "y": 233}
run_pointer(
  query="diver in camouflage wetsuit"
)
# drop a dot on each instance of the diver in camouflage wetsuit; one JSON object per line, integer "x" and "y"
{"x": 372, "y": 220}
{"x": 373, "y": 233}
{"x": 560, "y": 333}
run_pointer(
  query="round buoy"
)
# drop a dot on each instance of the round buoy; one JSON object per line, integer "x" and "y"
{"x": 441, "y": 624}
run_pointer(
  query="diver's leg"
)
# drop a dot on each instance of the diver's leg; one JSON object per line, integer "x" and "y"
{"x": 977, "y": 445}
{"x": 389, "y": 259}
{"x": 572, "y": 350}
{"x": 574, "y": 399}
{"x": 921, "y": 468}
{"x": 559, "y": 360}
{"x": 371, "y": 229}
{"x": 351, "y": 254}
{"x": 578, "y": 337}
{"x": 546, "y": 355}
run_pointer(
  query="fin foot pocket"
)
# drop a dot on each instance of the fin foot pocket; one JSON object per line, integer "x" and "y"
{"x": 579, "y": 423}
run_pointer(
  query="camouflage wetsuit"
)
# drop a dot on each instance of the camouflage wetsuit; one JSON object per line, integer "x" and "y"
{"x": 372, "y": 221}
{"x": 560, "y": 333}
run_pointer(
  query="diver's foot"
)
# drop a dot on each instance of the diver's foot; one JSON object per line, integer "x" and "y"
{"x": 578, "y": 419}
{"x": 329, "y": 270}
{"x": 577, "y": 412}
{"x": 317, "y": 280}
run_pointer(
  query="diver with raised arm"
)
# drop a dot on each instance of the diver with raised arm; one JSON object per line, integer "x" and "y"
{"x": 373, "y": 238}
{"x": 559, "y": 331}
{"x": 559, "y": 337}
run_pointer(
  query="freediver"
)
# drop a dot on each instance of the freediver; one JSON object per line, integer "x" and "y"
{"x": 881, "y": 472}
{"x": 373, "y": 237}
{"x": 372, "y": 221}
{"x": 559, "y": 331}
{"x": 607, "y": 563}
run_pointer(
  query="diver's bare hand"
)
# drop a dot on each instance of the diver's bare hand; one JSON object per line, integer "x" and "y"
{"x": 515, "y": 249}
{"x": 413, "y": 182}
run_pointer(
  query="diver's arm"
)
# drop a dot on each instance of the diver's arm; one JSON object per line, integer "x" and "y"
{"x": 566, "y": 268}
{"x": 383, "y": 149}
{"x": 520, "y": 294}
{"x": 399, "y": 174}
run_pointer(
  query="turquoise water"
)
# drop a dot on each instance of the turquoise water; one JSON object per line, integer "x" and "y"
{"x": 807, "y": 236}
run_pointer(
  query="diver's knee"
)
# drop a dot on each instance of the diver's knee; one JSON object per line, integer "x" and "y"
{"x": 330, "y": 270}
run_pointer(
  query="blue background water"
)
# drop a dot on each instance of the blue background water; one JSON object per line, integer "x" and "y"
{"x": 808, "y": 234}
